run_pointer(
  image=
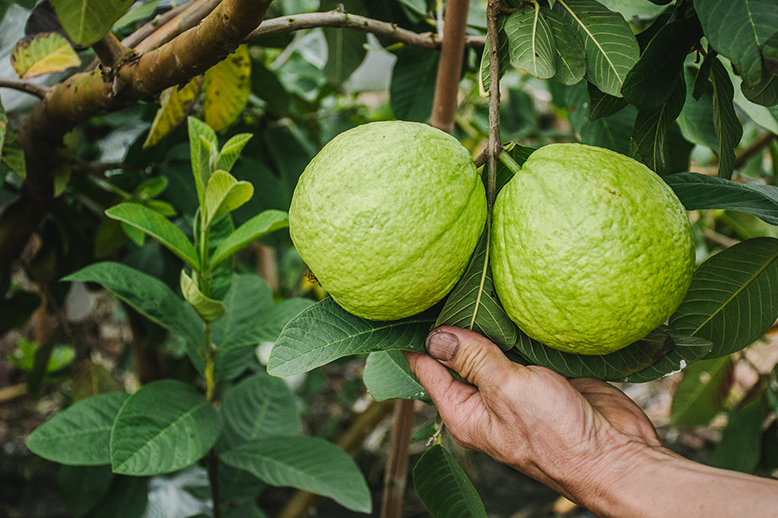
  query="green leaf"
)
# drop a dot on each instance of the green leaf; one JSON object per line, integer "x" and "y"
{"x": 687, "y": 351}
{"x": 260, "y": 225}
{"x": 201, "y": 168}
{"x": 141, "y": 12}
{"x": 13, "y": 154}
{"x": 231, "y": 151}
{"x": 146, "y": 294}
{"x": 702, "y": 393}
{"x": 699, "y": 192}
{"x": 43, "y": 53}
{"x": 3, "y": 126}
{"x": 83, "y": 487}
{"x": 652, "y": 82}
{"x": 86, "y": 21}
{"x": 345, "y": 52}
{"x": 325, "y": 332}
{"x": 731, "y": 301}
{"x": 696, "y": 118}
{"x": 413, "y": 84}
{"x": 165, "y": 426}
{"x": 531, "y": 42}
{"x": 176, "y": 103}
{"x": 127, "y": 498}
{"x": 92, "y": 379}
{"x": 651, "y": 127}
{"x": 765, "y": 93}
{"x": 484, "y": 76}
{"x": 259, "y": 406}
{"x": 728, "y": 127}
{"x": 308, "y": 463}
{"x": 737, "y": 29}
{"x": 80, "y": 434}
{"x": 763, "y": 116}
{"x": 570, "y": 54}
{"x": 443, "y": 486}
{"x": 387, "y": 376}
{"x": 247, "y": 301}
{"x": 612, "y": 132}
{"x": 151, "y": 188}
{"x": 209, "y": 309}
{"x": 611, "y": 48}
{"x": 603, "y": 105}
{"x": 473, "y": 303}
{"x": 740, "y": 447}
{"x": 518, "y": 153}
{"x": 226, "y": 88}
{"x": 157, "y": 226}
{"x": 613, "y": 366}
{"x": 224, "y": 194}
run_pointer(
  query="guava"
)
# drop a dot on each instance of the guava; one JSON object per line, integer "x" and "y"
{"x": 387, "y": 215}
{"x": 591, "y": 250}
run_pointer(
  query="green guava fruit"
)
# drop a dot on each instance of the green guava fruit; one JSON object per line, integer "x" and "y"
{"x": 591, "y": 250}
{"x": 386, "y": 216}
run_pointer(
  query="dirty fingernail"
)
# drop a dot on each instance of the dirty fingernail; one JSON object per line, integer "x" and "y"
{"x": 442, "y": 346}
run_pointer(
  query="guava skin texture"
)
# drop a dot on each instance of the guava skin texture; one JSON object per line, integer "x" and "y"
{"x": 591, "y": 250}
{"x": 387, "y": 215}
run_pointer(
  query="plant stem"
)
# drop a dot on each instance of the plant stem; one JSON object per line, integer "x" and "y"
{"x": 509, "y": 162}
{"x": 397, "y": 462}
{"x": 213, "y": 477}
{"x": 493, "y": 148}
{"x": 24, "y": 86}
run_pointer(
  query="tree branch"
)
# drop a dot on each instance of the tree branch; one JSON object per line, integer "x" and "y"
{"x": 444, "y": 106}
{"x": 110, "y": 51}
{"x": 494, "y": 147}
{"x": 172, "y": 27}
{"x": 287, "y": 24}
{"x": 24, "y": 86}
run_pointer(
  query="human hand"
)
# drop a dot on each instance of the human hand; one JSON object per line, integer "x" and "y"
{"x": 561, "y": 432}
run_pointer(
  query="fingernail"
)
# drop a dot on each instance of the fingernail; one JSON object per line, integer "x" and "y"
{"x": 442, "y": 346}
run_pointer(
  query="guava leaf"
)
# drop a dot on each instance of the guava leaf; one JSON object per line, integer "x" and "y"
{"x": 227, "y": 86}
{"x": 308, "y": 463}
{"x": 86, "y": 21}
{"x": 163, "y": 427}
{"x": 651, "y": 126}
{"x": 473, "y": 303}
{"x": 223, "y": 194}
{"x": 728, "y": 128}
{"x": 484, "y": 76}
{"x": 531, "y": 42}
{"x": 200, "y": 158}
{"x": 518, "y": 153}
{"x": 158, "y": 227}
{"x": 444, "y": 487}
{"x": 43, "y": 53}
{"x": 325, "y": 332}
{"x": 231, "y": 151}
{"x": 260, "y": 225}
{"x": 740, "y": 447}
{"x": 387, "y": 376}
{"x": 570, "y": 54}
{"x": 688, "y": 349}
{"x": 702, "y": 393}
{"x": 413, "y": 84}
{"x": 80, "y": 434}
{"x": 731, "y": 301}
{"x": 603, "y": 105}
{"x": 613, "y": 366}
{"x": 176, "y": 103}
{"x": 698, "y": 192}
{"x": 209, "y": 309}
{"x": 611, "y": 48}
{"x": 738, "y": 29}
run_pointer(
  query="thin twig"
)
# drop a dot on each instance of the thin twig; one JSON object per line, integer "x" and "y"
{"x": 753, "y": 149}
{"x": 287, "y": 24}
{"x": 397, "y": 462}
{"x": 213, "y": 477}
{"x": 24, "y": 86}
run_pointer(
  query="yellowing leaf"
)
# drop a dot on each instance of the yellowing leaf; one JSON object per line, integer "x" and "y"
{"x": 176, "y": 103}
{"x": 227, "y": 89}
{"x": 43, "y": 53}
{"x": 86, "y": 21}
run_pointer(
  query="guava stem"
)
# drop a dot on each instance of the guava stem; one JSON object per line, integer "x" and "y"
{"x": 493, "y": 10}
{"x": 510, "y": 163}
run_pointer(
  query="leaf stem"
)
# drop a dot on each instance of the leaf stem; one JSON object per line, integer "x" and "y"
{"x": 213, "y": 477}
{"x": 510, "y": 163}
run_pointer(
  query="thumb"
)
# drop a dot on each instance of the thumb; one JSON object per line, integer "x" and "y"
{"x": 471, "y": 355}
